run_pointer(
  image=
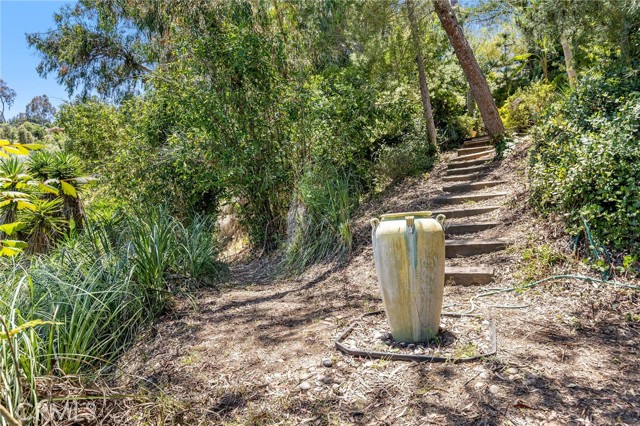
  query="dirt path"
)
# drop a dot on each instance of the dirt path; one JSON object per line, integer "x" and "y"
{"x": 239, "y": 356}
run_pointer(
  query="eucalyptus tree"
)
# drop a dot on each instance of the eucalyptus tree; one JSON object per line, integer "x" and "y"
{"x": 424, "y": 87}
{"x": 477, "y": 82}
{"x": 106, "y": 47}
{"x": 7, "y": 96}
{"x": 611, "y": 28}
{"x": 39, "y": 110}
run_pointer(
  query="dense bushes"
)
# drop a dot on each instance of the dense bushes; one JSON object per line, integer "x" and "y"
{"x": 320, "y": 217}
{"x": 586, "y": 159}
{"x": 411, "y": 157}
{"x": 526, "y": 106}
{"x": 165, "y": 148}
{"x": 76, "y": 309}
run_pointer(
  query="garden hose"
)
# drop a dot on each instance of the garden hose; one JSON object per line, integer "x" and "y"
{"x": 391, "y": 356}
{"x": 605, "y": 274}
{"x": 493, "y": 291}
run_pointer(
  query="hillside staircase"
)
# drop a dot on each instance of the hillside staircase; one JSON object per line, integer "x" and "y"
{"x": 465, "y": 176}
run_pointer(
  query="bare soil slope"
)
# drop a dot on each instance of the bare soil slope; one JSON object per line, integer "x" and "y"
{"x": 253, "y": 352}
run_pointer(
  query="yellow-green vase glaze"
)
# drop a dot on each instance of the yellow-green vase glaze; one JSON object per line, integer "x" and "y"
{"x": 409, "y": 257}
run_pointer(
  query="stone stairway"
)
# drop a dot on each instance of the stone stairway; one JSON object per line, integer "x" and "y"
{"x": 466, "y": 173}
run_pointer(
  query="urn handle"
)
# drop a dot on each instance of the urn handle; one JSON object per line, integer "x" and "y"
{"x": 411, "y": 226}
{"x": 374, "y": 225}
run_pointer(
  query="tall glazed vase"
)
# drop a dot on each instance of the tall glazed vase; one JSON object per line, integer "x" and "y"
{"x": 409, "y": 256}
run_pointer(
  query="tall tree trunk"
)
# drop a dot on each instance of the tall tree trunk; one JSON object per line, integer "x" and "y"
{"x": 471, "y": 104}
{"x": 568, "y": 59}
{"x": 545, "y": 67}
{"x": 424, "y": 88}
{"x": 477, "y": 83}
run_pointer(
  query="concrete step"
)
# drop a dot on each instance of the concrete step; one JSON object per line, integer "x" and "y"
{"x": 465, "y": 187}
{"x": 473, "y": 156}
{"x": 461, "y": 199}
{"x": 466, "y": 248}
{"x": 468, "y": 228}
{"x": 472, "y": 150}
{"x": 461, "y": 178}
{"x": 464, "y": 212}
{"x": 467, "y": 170}
{"x": 469, "y": 163}
{"x": 468, "y": 275}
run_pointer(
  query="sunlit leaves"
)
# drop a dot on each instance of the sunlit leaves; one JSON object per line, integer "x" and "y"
{"x": 68, "y": 189}
{"x": 10, "y": 248}
{"x": 11, "y": 228}
{"x": 34, "y": 192}
{"x": 585, "y": 163}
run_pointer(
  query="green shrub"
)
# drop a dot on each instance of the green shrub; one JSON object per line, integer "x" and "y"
{"x": 24, "y": 136}
{"x": 79, "y": 307}
{"x": 37, "y": 131}
{"x": 586, "y": 161}
{"x": 522, "y": 109}
{"x": 198, "y": 250}
{"x": 320, "y": 218}
{"x": 411, "y": 157}
{"x": 8, "y": 131}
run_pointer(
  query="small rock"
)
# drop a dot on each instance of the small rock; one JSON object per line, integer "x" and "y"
{"x": 304, "y": 386}
{"x": 478, "y": 385}
{"x": 530, "y": 380}
{"x": 485, "y": 375}
{"x": 494, "y": 389}
{"x": 335, "y": 386}
{"x": 327, "y": 362}
{"x": 513, "y": 377}
{"x": 303, "y": 376}
{"x": 339, "y": 380}
{"x": 378, "y": 335}
{"x": 368, "y": 364}
{"x": 324, "y": 379}
{"x": 411, "y": 346}
{"x": 403, "y": 344}
{"x": 512, "y": 370}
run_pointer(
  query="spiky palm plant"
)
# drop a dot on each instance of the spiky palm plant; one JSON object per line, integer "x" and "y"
{"x": 45, "y": 224}
{"x": 40, "y": 164}
{"x": 64, "y": 171}
{"x": 14, "y": 181}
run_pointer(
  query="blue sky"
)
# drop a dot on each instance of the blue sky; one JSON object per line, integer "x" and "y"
{"x": 17, "y": 61}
